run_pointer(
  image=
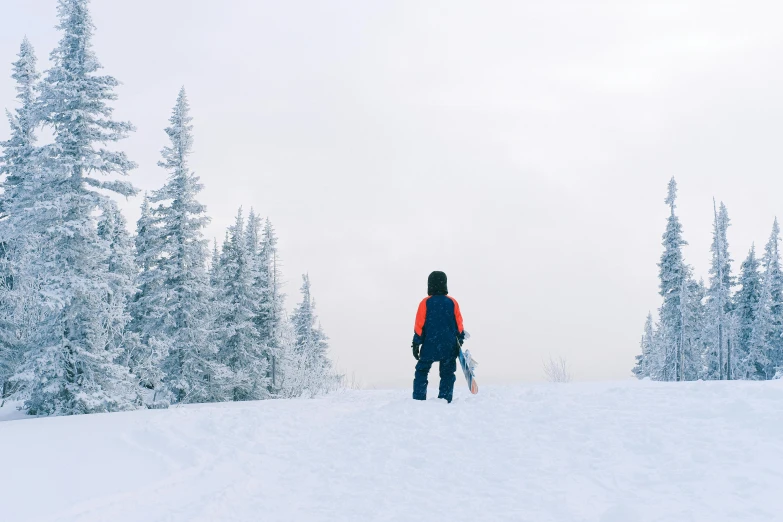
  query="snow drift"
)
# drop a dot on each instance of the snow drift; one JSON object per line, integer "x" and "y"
{"x": 620, "y": 452}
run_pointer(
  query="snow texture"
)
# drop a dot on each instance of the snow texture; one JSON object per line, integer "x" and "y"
{"x": 605, "y": 452}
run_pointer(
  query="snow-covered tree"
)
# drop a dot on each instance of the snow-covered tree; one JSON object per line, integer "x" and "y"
{"x": 746, "y": 304}
{"x": 112, "y": 229}
{"x": 307, "y": 368}
{"x": 774, "y": 275}
{"x": 757, "y": 362}
{"x": 238, "y": 297}
{"x": 719, "y": 302}
{"x": 310, "y": 338}
{"x": 19, "y": 166}
{"x": 146, "y": 242}
{"x": 673, "y": 275}
{"x": 764, "y": 342}
{"x": 19, "y": 161}
{"x": 643, "y": 360}
{"x": 73, "y": 101}
{"x": 253, "y": 234}
{"x": 214, "y": 265}
{"x": 180, "y": 319}
{"x": 145, "y": 351}
{"x": 271, "y": 318}
{"x": 656, "y": 360}
{"x": 693, "y": 315}
{"x": 72, "y": 365}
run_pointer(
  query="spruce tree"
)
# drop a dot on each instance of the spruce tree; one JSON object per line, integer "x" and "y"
{"x": 271, "y": 319}
{"x": 673, "y": 276}
{"x": 774, "y": 275}
{"x": 112, "y": 229}
{"x": 238, "y": 298}
{"x": 765, "y": 337}
{"x": 73, "y": 102}
{"x": 657, "y": 358}
{"x": 72, "y": 366}
{"x": 643, "y": 360}
{"x": 748, "y": 365}
{"x": 307, "y": 369}
{"x": 253, "y": 234}
{"x": 180, "y": 319}
{"x": 19, "y": 164}
{"x": 214, "y": 266}
{"x": 693, "y": 319}
{"x": 146, "y": 351}
{"x": 719, "y": 302}
{"x": 757, "y": 363}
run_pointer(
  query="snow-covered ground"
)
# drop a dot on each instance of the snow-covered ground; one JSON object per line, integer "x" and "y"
{"x": 619, "y": 452}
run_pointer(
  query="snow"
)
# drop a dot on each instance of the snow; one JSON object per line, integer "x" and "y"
{"x": 608, "y": 452}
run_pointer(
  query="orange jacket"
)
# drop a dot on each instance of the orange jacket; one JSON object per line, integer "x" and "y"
{"x": 438, "y": 327}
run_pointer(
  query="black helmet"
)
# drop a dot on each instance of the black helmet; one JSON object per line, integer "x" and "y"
{"x": 437, "y": 284}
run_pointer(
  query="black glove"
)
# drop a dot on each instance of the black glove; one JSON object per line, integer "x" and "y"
{"x": 416, "y": 350}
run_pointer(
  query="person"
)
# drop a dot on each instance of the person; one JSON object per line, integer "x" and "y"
{"x": 438, "y": 335}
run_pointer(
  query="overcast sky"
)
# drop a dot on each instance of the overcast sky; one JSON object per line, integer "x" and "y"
{"x": 522, "y": 147}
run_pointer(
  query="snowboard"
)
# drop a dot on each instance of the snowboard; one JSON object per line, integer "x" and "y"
{"x": 468, "y": 368}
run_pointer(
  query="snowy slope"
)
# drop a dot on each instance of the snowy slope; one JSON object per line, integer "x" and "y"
{"x": 620, "y": 452}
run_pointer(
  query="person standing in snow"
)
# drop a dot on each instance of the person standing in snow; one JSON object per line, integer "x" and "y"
{"x": 438, "y": 334}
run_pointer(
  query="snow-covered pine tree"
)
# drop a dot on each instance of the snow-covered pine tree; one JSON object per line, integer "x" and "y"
{"x": 181, "y": 319}
{"x": 747, "y": 300}
{"x": 271, "y": 318}
{"x": 253, "y": 233}
{"x": 112, "y": 229}
{"x": 146, "y": 242}
{"x": 757, "y": 362}
{"x": 719, "y": 302}
{"x": 644, "y": 359}
{"x": 19, "y": 160}
{"x": 774, "y": 275}
{"x": 655, "y": 345}
{"x": 307, "y": 369}
{"x": 145, "y": 352}
{"x": 673, "y": 274}
{"x": 72, "y": 366}
{"x": 18, "y": 165}
{"x": 310, "y": 338}
{"x": 216, "y": 276}
{"x": 238, "y": 298}
{"x": 214, "y": 266}
{"x": 693, "y": 317}
{"x": 765, "y": 336}
{"x": 657, "y": 359}
{"x": 74, "y": 100}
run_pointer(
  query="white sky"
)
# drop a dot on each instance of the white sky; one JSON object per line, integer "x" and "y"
{"x": 522, "y": 147}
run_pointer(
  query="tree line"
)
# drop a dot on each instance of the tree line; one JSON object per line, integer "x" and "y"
{"x": 94, "y": 319}
{"x": 728, "y": 328}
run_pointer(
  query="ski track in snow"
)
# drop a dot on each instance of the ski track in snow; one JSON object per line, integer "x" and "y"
{"x": 605, "y": 452}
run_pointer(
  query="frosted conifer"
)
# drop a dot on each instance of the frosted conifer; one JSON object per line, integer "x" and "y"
{"x": 774, "y": 276}
{"x": 180, "y": 320}
{"x": 271, "y": 317}
{"x": 673, "y": 275}
{"x": 72, "y": 364}
{"x": 238, "y": 298}
{"x": 764, "y": 341}
{"x": 307, "y": 368}
{"x": 19, "y": 164}
{"x": 719, "y": 302}
{"x": 749, "y": 366}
